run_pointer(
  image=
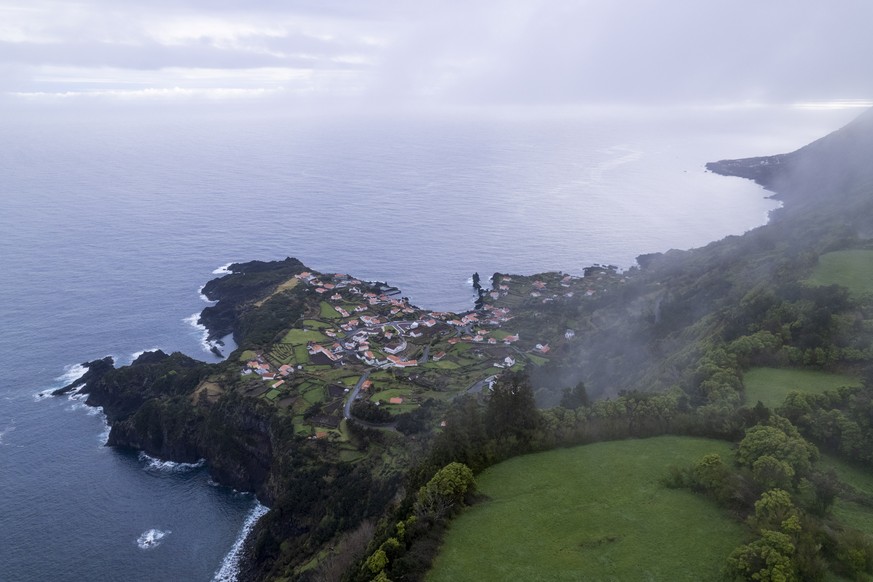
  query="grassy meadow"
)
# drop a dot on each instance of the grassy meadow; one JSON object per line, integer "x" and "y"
{"x": 595, "y": 512}
{"x": 772, "y": 385}
{"x": 850, "y": 268}
{"x": 848, "y": 512}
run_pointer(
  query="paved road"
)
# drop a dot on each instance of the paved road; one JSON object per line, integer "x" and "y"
{"x": 478, "y": 386}
{"x": 347, "y": 410}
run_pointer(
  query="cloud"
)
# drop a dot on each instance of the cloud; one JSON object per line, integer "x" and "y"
{"x": 485, "y": 52}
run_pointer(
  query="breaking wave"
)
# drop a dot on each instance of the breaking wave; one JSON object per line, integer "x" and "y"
{"x": 229, "y": 569}
{"x": 153, "y": 464}
{"x": 204, "y": 297}
{"x": 194, "y": 321}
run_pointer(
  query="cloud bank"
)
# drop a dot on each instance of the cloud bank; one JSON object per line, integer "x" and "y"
{"x": 384, "y": 53}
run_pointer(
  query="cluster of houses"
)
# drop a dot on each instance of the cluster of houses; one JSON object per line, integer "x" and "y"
{"x": 261, "y": 367}
{"x": 378, "y": 329}
{"x": 392, "y": 335}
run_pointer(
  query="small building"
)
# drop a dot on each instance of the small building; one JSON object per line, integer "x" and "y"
{"x": 396, "y": 347}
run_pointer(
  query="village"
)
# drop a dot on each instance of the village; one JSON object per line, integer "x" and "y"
{"x": 362, "y": 342}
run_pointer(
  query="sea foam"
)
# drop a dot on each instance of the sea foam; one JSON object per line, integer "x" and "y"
{"x": 194, "y": 321}
{"x": 207, "y": 345}
{"x": 149, "y": 540}
{"x": 223, "y": 269}
{"x": 103, "y": 437}
{"x": 229, "y": 569}
{"x": 154, "y": 464}
{"x": 204, "y": 297}
{"x": 71, "y": 373}
{"x": 6, "y": 430}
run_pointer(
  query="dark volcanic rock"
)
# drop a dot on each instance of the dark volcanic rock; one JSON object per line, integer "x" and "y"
{"x": 96, "y": 370}
{"x": 246, "y": 283}
{"x": 122, "y": 391}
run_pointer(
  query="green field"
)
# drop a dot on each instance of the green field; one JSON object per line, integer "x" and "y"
{"x": 301, "y": 354}
{"x": 851, "y": 268}
{"x": 303, "y": 336}
{"x": 385, "y": 395}
{"x": 537, "y": 360}
{"x": 849, "y": 512}
{"x": 441, "y": 365}
{"x": 595, "y": 512}
{"x": 772, "y": 385}
{"x": 858, "y": 477}
{"x": 313, "y": 394}
{"x": 328, "y": 312}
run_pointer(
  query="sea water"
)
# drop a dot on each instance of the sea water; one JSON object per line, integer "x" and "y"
{"x": 110, "y": 226}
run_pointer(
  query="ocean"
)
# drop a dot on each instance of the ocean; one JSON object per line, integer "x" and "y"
{"x": 110, "y": 225}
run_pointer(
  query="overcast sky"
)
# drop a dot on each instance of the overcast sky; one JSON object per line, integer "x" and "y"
{"x": 440, "y": 52}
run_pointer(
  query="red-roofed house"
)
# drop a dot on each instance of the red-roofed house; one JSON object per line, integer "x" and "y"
{"x": 400, "y": 363}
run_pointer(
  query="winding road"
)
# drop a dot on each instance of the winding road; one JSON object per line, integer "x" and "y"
{"x": 347, "y": 409}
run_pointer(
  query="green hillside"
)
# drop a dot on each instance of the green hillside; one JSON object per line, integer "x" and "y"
{"x": 772, "y": 385}
{"x": 595, "y": 512}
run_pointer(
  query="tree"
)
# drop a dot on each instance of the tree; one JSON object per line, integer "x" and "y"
{"x": 511, "y": 409}
{"x": 772, "y": 473}
{"x": 775, "y": 511}
{"x": 573, "y": 398}
{"x": 376, "y": 562}
{"x": 780, "y": 440}
{"x": 767, "y": 559}
{"x": 713, "y": 476}
{"x": 445, "y": 491}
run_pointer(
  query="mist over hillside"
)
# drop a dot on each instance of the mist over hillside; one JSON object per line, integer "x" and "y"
{"x": 646, "y": 335}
